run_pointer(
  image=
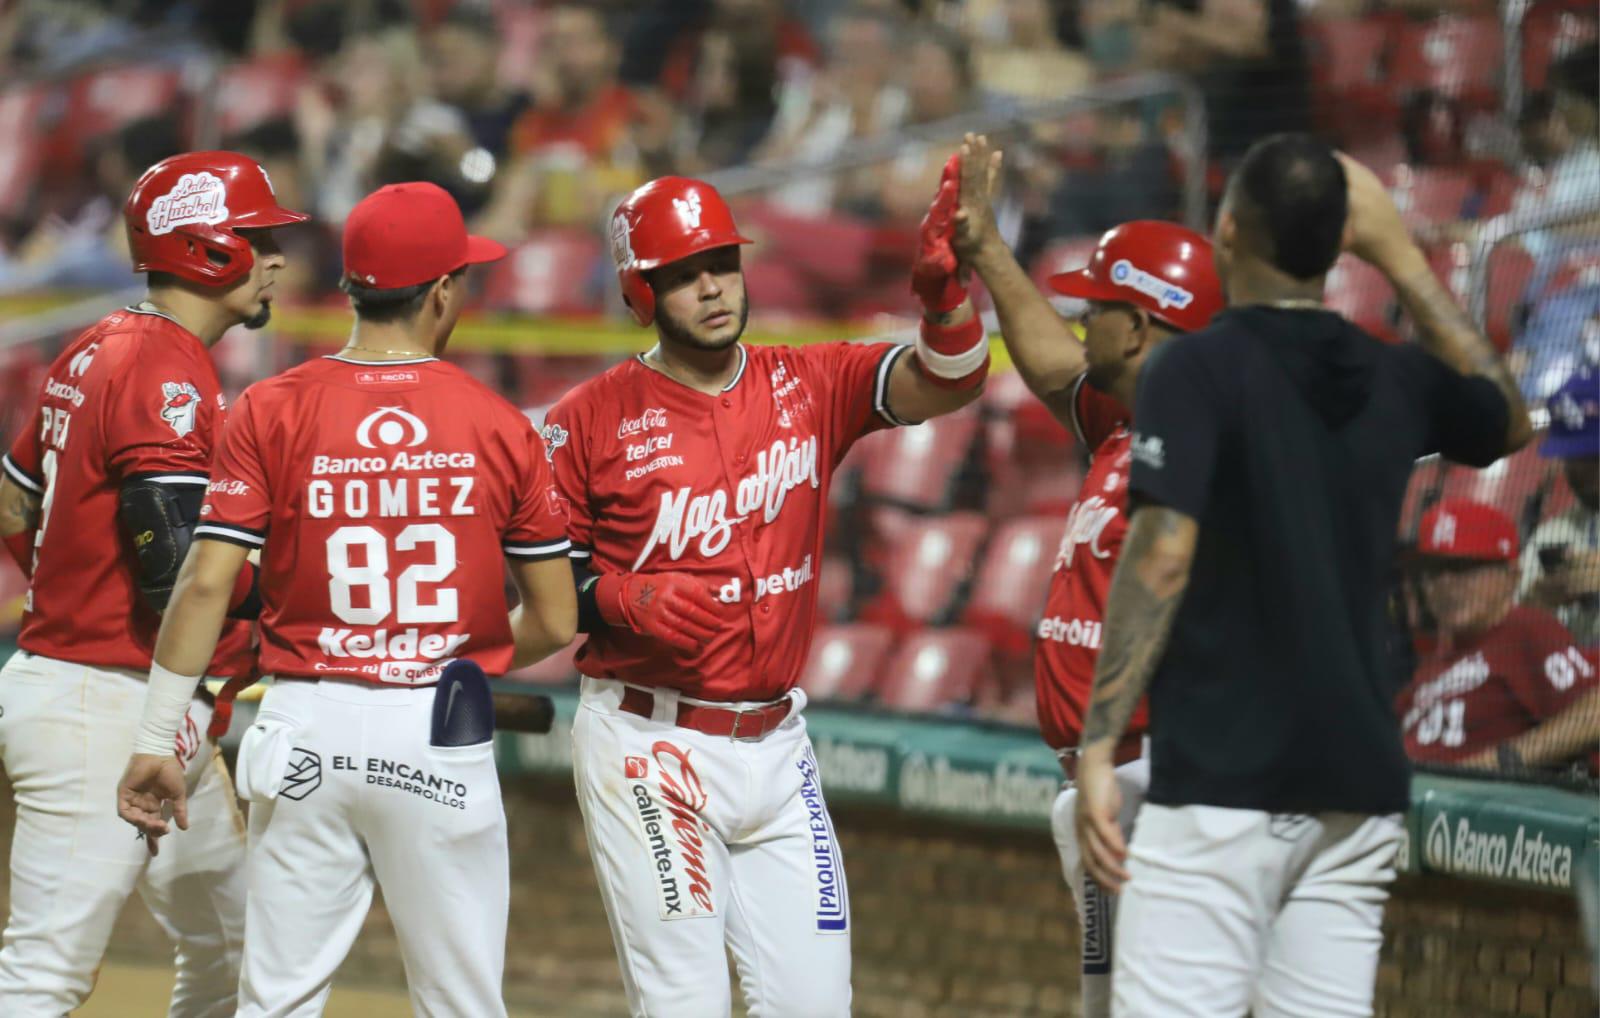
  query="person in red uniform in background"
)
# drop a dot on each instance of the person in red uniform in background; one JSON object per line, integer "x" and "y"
{"x": 698, "y": 477}
{"x": 1146, "y": 282}
{"x": 1506, "y": 686}
{"x": 100, "y": 497}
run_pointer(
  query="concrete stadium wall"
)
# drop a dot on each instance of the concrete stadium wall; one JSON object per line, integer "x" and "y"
{"x": 954, "y": 921}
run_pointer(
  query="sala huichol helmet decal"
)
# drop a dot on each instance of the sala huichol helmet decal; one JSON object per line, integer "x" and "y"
{"x": 664, "y": 221}
{"x": 183, "y": 214}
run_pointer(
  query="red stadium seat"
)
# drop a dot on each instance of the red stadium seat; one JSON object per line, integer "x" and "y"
{"x": 1548, "y": 33}
{"x": 1431, "y": 195}
{"x": 835, "y": 587}
{"x": 105, "y": 100}
{"x": 1009, "y": 591}
{"x": 19, "y": 164}
{"x": 553, "y": 272}
{"x": 1347, "y": 76}
{"x": 1507, "y": 484}
{"x": 936, "y": 668}
{"x": 1510, "y": 269}
{"x": 918, "y": 466}
{"x": 1360, "y": 293}
{"x": 926, "y": 568}
{"x": 846, "y": 662}
{"x": 254, "y": 92}
{"x": 1457, "y": 57}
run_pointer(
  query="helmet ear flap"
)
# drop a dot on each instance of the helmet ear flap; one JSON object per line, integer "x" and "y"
{"x": 638, "y": 295}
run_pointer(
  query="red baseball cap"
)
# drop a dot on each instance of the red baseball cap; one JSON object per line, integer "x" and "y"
{"x": 1457, "y": 528}
{"x": 406, "y": 234}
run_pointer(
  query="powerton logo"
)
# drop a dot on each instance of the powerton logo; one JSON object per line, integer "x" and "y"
{"x": 1168, "y": 295}
{"x": 833, "y": 901}
{"x": 1523, "y": 857}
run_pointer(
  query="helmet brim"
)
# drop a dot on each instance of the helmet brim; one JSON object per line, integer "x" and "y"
{"x": 646, "y": 264}
{"x": 267, "y": 218}
{"x": 1080, "y": 284}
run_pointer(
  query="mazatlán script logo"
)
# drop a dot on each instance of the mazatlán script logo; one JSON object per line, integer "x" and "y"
{"x": 1085, "y": 524}
{"x": 681, "y": 519}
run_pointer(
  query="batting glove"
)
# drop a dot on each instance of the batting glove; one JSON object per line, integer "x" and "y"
{"x": 934, "y": 275}
{"x": 675, "y": 608}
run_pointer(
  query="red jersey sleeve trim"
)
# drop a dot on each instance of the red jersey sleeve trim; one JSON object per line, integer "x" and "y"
{"x": 880, "y": 389}
{"x": 21, "y": 476}
{"x": 232, "y": 534}
{"x": 536, "y": 552}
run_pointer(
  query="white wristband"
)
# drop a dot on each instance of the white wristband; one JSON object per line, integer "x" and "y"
{"x": 166, "y": 701}
{"x": 953, "y": 365}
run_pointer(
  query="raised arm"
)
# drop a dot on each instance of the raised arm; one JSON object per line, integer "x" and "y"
{"x": 1377, "y": 235}
{"x": 1042, "y": 344}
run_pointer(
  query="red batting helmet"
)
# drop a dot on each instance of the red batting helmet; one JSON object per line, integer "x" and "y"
{"x": 1162, "y": 267}
{"x": 666, "y": 220}
{"x": 183, "y": 212}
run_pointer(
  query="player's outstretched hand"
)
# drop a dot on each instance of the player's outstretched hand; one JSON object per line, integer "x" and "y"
{"x": 933, "y": 274}
{"x": 1105, "y": 854}
{"x": 974, "y": 219}
{"x": 150, "y": 787}
{"x": 675, "y": 608}
{"x": 1373, "y": 230}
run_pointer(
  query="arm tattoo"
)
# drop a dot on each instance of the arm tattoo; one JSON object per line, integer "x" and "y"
{"x": 19, "y": 510}
{"x": 1139, "y": 619}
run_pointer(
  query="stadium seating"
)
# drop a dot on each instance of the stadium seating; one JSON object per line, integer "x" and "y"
{"x": 1508, "y": 484}
{"x": 1456, "y": 57}
{"x": 934, "y": 669}
{"x": 845, "y": 662}
{"x": 1009, "y": 590}
{"x": 553, "y": 272}
{"x": 1348, "y": 96}
{"x": 1431, "y": 195}
{"x": 251, "y": 93}
{"x": 925, "y": 570}
{"x": 1548, "y": 31}
{"x": 1360, "y": 293}
{"x": 917, "y": 467}
{"x": 19, "y": 164}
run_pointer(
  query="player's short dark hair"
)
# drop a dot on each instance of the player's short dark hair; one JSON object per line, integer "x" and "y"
{"x": 399, "y": 304}
{"x": 1290, "y": 197}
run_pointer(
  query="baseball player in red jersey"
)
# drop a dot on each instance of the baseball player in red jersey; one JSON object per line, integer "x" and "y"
{"x": 1146, "y": 282}
{"x": 384, "y": 489}
{"x": 698, "y": 478}
{"x": 1506, "y": 686}
{"x": 104, "y": 488}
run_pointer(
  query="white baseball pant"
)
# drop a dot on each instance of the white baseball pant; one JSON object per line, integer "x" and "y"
{"x": 1230, "y": 910}
{"x": 66, "y": 732}
{"x": 704, "y": 844}
{"x": 346, "y": 793}
{"x": 1097, "y": 910}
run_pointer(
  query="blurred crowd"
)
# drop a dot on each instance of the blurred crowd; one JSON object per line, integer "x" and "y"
{"x": 839, "y": 114}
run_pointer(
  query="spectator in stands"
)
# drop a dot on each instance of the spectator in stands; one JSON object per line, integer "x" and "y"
{"x": 463, "y": 70}
{"x": 938, "y": 84}
{"x": 854, "y": 96}
{"x": 89, "y": 250}
{"x": 1249, "y": 58}
{"x": 1561, "y": 567}
{"x": 576, "y": 148}
{"x": 352, "y": 120}
{"x": 1506, "y": 686}
{"x": 729, "y": 103}
{"x": 1022, "y": 56}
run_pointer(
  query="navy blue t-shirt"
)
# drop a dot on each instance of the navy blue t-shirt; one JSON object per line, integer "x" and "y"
{"x": 1289, "y": 436}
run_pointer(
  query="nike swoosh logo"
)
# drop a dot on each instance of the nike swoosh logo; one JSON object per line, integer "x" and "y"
{"x": 449, "y": 704}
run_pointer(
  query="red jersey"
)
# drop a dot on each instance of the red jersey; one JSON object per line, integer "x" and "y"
{"x": 731, "y": 488}
{"x": 1075, "y": 609}
{"x": 135, "y": 395}
{"x": 384, "y": 497}
{"x": 1492, "y": 687}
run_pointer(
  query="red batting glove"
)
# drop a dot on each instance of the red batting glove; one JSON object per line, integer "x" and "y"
{"x": 934, "y": 276}
{"x": 675, "y": 608}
